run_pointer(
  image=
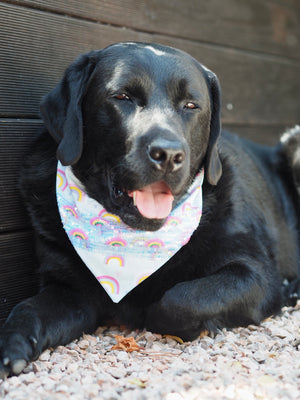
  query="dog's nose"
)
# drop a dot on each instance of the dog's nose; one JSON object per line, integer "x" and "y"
{"x": 166, "y": 154}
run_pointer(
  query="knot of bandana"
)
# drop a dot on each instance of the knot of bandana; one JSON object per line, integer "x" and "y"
{"x": 117, "y": 255}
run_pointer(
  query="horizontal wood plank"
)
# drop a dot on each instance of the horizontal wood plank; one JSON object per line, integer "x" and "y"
{"x": 38, "y": 46}
{"x": 267, "y": 135}
{"x": 264, "y": 26}
{"x": 15, "y": 140}
{"x": 255, "y": 90}
{"x": 17, "y": 270}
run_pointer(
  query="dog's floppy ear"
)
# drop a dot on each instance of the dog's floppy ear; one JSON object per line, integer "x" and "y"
{"x": 61, "y": 109}
{"x": 213, "y": 166}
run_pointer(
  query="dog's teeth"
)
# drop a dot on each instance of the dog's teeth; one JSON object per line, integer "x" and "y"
{"x": 134, "y": 198}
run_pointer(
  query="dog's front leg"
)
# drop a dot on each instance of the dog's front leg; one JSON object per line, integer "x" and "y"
{"x": 55, "y": 316}
{"x": 234, "y": 296}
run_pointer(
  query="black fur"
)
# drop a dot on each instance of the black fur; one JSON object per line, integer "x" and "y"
{"x": 241, "y": 264}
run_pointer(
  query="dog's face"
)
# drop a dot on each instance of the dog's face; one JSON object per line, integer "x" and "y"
{"x": 137, "y": 122}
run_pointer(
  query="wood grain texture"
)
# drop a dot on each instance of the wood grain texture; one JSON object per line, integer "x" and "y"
{"x": 15, "y": 140}
{"x": 263, "y": 134}
{"x": 18, "y": 270}
{"x": 36, "y": 49}
{"x": 264, "y": 26}
{"x": 256, "y": 89}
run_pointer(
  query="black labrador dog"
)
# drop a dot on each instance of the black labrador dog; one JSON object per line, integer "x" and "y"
{"x": 137, "y": 132}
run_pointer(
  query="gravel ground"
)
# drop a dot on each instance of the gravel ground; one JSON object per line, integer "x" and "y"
{"x": 257, "y": 362}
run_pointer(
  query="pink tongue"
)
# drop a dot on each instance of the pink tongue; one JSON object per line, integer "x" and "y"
{"x": 154, "y": 201}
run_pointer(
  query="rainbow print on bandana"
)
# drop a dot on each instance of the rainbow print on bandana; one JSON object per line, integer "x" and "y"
{"x": 79, "y": 234}
{"x": 154, "y": 244}
{"x": 109, "y": 217}
{"x": 142, "y": 278}
{"x": 117, "y": 242}
{"x": 187, "y": 209}
{"x": 173, "y": 221}
{"x": 71, "y": 210}
{"x": 62, "y": 182}
{"x": 115, "y": 261}
{"x": 78, "y": 192}
{"x": 110, "y": 284}
{"x": 97, "y": 221}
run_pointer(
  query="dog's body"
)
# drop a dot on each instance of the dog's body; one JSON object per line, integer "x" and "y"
{"x": 136, "y": 116}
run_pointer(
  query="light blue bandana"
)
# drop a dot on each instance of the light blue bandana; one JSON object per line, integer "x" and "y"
{"x": 119, "y": 256}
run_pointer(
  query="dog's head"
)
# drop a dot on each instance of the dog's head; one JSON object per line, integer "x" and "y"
{"x": 136, "y": 121}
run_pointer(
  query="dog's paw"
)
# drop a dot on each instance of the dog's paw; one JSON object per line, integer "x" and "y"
{"x": 174, "y": 317}
{"x": 15, "y": 353}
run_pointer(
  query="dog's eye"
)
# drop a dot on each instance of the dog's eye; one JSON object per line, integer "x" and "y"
{"x": 121, "y": 96}
{"x": 191, "y": 106}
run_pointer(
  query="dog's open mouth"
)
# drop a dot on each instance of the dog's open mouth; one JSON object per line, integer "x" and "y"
{"x": 153, "y": 201}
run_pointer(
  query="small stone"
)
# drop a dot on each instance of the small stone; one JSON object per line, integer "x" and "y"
{"x": 281, "y": 333}
{"x": 157, "y": 346}
{"x": 72, "y": 367}
{"x": 36, "y": 367}
{"x": 265, "y": 380}
{"x": 93, "y": 389}
{"x": 122, "y": 356}
{"x": 55, "y": 376}
{"x": 116, "y": 372}
{"x": 62, "y": 389}
{"x": 259, "y": 356}
{"x": 45, "y": 355}
{"x": 83, "y": 344}
{"x": 160, "y": 366}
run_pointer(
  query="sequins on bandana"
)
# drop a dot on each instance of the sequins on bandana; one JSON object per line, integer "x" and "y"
{"x": 119, "y": 256}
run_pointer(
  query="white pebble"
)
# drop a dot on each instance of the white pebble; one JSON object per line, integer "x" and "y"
{"x": 45, "y": 355}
